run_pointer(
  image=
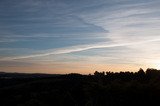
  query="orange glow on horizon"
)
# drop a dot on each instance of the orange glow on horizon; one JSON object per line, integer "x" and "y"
{"x": 82, "y": 68}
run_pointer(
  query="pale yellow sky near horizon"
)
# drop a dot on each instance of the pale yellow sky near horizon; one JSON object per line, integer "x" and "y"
{"x": 73, "y": 68}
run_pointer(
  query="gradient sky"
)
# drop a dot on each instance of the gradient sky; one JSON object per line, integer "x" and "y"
{"x": 79, "y": 36}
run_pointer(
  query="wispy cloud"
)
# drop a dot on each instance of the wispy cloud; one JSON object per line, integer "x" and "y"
{"x": 73, "y": 49}
{"x": 129, "y": 22}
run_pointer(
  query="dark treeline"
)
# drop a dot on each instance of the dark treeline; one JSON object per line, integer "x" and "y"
{"x": 100, "y": 89}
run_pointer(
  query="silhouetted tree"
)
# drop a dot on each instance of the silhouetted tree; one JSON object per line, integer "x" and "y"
{"x": 96, "y": 73}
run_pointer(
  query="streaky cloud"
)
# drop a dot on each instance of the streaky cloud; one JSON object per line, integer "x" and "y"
{"x": 78, "y": 48}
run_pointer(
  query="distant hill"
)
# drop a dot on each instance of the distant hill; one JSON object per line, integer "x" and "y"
{"x": 25, "y": 75}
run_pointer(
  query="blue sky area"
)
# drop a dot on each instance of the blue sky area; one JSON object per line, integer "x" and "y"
{"x": 63, "y": 36}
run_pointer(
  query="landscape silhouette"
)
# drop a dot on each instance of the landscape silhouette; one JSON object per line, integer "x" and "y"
{"x": 100, "y": 89}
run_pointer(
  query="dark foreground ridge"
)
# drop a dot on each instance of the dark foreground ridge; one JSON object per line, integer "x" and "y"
{"x": 100, "y": 89}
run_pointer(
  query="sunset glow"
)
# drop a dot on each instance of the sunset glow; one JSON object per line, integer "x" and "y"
{"x": 68, "y": 36}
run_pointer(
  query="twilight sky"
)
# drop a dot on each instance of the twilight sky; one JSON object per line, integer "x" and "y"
{"x": 79, "y": 36}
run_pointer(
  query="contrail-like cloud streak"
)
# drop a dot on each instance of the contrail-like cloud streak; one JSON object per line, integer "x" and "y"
{"x": 73, "y": 49}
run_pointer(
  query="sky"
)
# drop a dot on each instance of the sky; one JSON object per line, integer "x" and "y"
{"x": 79, "y": 36}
